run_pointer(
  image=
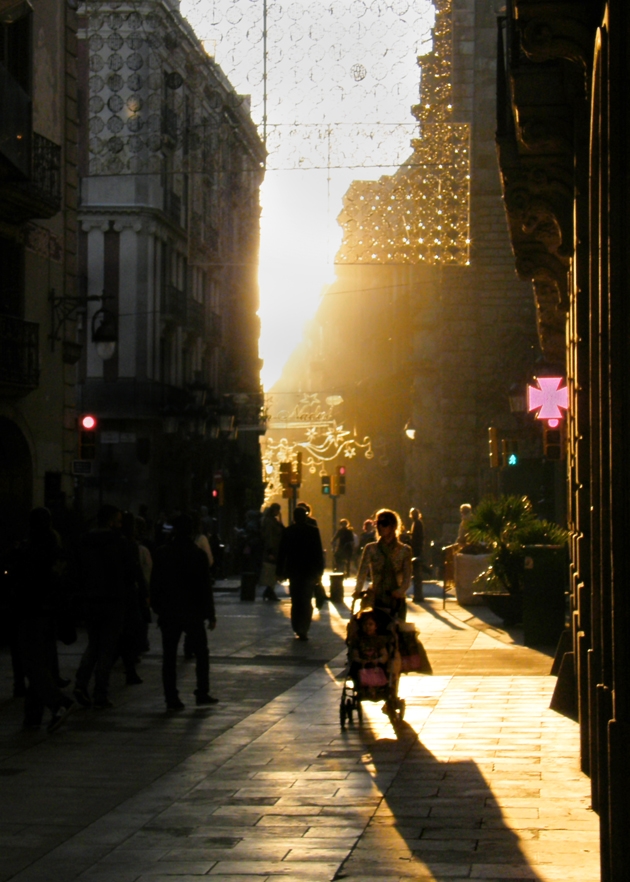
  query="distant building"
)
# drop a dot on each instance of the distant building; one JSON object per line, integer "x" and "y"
{"x": 427, "y": 326}
{"x": 171, "y": 165}
{"x": 38, "y": 245}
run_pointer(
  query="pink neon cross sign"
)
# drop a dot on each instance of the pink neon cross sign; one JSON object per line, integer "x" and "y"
{"x": 548, "y": 398}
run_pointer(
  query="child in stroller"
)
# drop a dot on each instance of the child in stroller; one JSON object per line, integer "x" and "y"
{"x": 374, "y": 666}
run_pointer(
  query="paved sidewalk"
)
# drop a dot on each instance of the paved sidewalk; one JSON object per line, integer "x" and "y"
{"x": 481, "y": 782}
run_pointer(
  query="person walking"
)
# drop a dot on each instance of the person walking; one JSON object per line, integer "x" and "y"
{"x": 319, "y": 591}
{"x": 182, "y": 598}
{"x": 271, "y": 529}
{"x": 301, "y": 560}
{"x": 36, "y": 575}
{"x": 343, "y": 547}
{"x": 416, "y": 538}
{"x": 106, "y": 576}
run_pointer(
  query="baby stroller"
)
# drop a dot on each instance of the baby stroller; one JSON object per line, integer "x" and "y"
{"x": 378, "y": 681}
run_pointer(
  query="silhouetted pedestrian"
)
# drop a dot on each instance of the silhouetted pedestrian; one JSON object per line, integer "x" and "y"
{"x": 301, "y": 559}
{"x": 104, "y": 566}
{"x": 319, "y": 590}
{"x": 416, "y": 540}
{"x": 36, "y": 576}
{"x": 271, "y": 529}
{"x": 181, "y": 595}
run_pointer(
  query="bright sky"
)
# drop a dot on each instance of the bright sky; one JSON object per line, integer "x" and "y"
{"x": 341, "y": 78}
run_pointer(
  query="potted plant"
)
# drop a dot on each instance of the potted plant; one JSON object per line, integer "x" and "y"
{"x": 508, "y": 527}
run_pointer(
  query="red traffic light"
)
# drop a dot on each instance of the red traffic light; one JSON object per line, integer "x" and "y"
{"x": 88, "y": 422}
{"x": 341, "y": 470}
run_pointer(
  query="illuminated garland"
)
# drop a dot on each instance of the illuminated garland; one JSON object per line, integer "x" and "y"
{"x": 325, "y": 441}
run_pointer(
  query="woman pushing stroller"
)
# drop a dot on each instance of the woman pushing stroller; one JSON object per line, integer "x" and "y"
{"x": 387, "y": 565}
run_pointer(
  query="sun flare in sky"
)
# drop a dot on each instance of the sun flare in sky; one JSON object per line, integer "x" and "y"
{"x": 341, "y": 78}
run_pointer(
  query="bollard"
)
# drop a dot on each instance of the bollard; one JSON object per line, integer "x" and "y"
{"x": 248, "y": 586}
{"x": 336, "y": 587}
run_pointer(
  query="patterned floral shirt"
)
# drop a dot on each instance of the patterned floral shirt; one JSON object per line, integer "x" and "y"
{"x": 385, "y": 578}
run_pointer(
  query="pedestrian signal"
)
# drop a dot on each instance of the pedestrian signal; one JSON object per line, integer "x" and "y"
{"x": 87, "y": 436}
{"x": 509, "y": 451}
{"x": 341, "y": 479}
{"x": 326, "y": 485}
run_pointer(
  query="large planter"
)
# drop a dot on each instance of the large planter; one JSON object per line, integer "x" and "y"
{"x": 545, "y": 583}
{"x": 508, "y": 607}
{"x": 467, "y": 568}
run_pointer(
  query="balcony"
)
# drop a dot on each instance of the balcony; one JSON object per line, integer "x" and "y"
{"x": 19, "y": 356}
{"x": 195, "y": 316}
{"x": 174, "y": 304}
{"x": 38, "y": 195}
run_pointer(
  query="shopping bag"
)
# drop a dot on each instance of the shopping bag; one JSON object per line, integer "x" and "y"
{"x": 268, "y": 574}
{"x": 413, "y": 655}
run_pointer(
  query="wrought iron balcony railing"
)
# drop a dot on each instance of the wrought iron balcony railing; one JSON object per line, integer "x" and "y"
{"x": 38, "y": 193}
{"x": 19, "y": 355}
{"x": 46, "y": 169}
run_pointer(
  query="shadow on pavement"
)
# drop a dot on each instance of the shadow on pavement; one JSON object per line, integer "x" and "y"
{"x": 440, "y": 817}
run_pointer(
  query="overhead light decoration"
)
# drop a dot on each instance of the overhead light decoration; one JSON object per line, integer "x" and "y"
{"x": 323, "y": 441}
{"x": 420, "y": 214}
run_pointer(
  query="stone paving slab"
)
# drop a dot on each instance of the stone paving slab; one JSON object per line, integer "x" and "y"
{"x": 481, "y": 781}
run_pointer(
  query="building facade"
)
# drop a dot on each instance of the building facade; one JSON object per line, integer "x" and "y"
{"x": 38, "y": 259}
{"x": 563, "y": 93}
{"x": 171, "y": 165}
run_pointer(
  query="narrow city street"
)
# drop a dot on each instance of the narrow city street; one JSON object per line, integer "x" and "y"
{"x": 482, "y": 780}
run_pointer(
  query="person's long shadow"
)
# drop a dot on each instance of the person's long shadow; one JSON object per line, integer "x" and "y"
{"x": 440, "y": 817}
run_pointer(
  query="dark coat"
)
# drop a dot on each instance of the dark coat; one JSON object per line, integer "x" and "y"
{"x": 181, "y": 587}
{"x": 301, "y": 555}
{"x": 105, "y": 567}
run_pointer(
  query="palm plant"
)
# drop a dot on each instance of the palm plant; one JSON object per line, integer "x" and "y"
{"x": 505, "y": 526}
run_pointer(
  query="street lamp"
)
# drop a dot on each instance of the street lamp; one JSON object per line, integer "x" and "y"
{"x": 104, "y": 333}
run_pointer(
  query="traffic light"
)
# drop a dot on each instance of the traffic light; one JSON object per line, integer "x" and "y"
{"x": 553, "y": 442}
{"x": 341, "y": 479}
{"x": 218, "y": 488}
{"x": 88, "y": 425}
{"x": 326, "y": 485}
{"x": 295, "y": 477}
{"x": 509, "y": 451}
{"x": 285, "y": 474}
{"x": 493, "y": 448}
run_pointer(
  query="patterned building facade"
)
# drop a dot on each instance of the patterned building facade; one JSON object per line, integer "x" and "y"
{"x": 171, "y": 165}
{"x": 38, "y": 257}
